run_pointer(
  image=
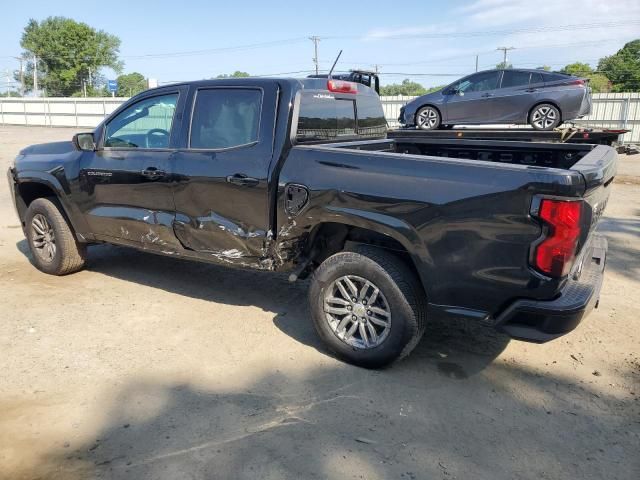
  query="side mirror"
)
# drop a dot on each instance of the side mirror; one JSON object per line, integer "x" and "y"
{"x": 84, "y": 141}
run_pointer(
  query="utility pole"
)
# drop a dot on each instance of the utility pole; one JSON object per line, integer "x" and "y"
{"x": 505, "y": 49}
{"x": 35, "y": 75}
{"x": 21, "y": 60}
{"x": 376, "y": 68}
{"x": 90, "y": 79}
{"x": 315, "y": 41}
{"x": 8, "y": 84}
{"x": 84, "y": 88}
{"x": 477, "y": 62}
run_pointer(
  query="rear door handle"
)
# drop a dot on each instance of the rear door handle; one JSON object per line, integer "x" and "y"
{"x": 485, "y": 95}
{"x": 153, "y": 172}
{"x": 530, "y": 90}
{"x": 242, "y": 180}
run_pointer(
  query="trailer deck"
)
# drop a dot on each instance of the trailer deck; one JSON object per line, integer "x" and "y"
{"x": 559, "y": 135}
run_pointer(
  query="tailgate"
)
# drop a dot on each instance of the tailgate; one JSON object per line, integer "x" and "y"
{"x": 598, "y": 168}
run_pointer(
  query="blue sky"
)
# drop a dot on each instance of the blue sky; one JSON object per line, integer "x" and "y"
{"x": 430, "y": 42}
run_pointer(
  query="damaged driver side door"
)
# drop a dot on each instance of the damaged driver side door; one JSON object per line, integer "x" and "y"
{"x": 221, "y": 192}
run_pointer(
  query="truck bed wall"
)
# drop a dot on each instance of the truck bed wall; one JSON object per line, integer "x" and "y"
{"x": 466, "y": 225}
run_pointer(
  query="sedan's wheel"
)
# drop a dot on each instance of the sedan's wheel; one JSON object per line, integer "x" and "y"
{"x": 367, "y": 306}
{"x": 428, "y": 118}
{"x": 51, "y": 241}
{"x": 544, "y": 117}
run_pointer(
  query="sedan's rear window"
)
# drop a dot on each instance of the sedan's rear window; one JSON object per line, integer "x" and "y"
{"x": 554, "y": 77}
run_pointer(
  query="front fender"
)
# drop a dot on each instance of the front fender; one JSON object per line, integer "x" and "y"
{"x": 56, "y": 180}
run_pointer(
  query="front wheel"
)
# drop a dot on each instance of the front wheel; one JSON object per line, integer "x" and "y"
{"x": 428, "y": 118}
{"x": 544, "y": 117}
{"x": 367, "y": 306}
{"x": 53, "y": 246}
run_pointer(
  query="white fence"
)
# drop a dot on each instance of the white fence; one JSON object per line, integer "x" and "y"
{"x": 57, "y": 112}
{"x": 610, "y": 110}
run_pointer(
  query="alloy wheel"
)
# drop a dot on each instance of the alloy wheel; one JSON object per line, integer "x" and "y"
{"x": 357, "y": 312}
{"x": 543, "y": 117}
{"x": 43, "y": 238}
{"x": 427, "y": 118}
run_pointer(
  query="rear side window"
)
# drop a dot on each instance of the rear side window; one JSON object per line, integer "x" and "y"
{"x": 225, "y": 118}
{"x": 514, "y": 78}
{"x": 322, "y": 116}
{"x": 536, "y": 77}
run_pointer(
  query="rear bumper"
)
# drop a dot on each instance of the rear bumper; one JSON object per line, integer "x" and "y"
{"x": 542, "y": 321}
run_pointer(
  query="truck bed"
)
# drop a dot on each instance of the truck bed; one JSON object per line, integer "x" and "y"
{"x": 546, "y": 155}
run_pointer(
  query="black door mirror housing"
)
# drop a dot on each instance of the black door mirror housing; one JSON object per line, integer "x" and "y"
{"x": 84, "y": 141}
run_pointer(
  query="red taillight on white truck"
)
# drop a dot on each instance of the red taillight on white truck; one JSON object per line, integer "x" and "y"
{"x": 555, "y": 254}
{"x": 341, "y": 86}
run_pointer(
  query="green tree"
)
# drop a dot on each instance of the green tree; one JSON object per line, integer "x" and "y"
{"x": 578, "y": 69}
{"x": 67, "y": 53}
{"x": 407, "y": 87}
{"x": 623, "y": 68}
{"x": 131, "y": 84}
{"x": 236, "y": 74}
{"x": 599, "y": 82}
{"x": 546, "y": 68}
{"x": 504, "y": 66}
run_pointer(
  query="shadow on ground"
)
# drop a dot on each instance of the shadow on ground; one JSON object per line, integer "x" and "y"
{"x": 346, "y": 422}
{"x": 448, "y": 411}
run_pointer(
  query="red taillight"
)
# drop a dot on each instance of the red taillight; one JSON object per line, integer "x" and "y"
{"x": 555, "y": 254}
{"x": 340, "y": 86}
{"x": 576, "y": 82}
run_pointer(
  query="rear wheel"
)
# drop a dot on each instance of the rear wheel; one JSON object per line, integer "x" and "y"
{"x": 428, "y": 118}
{"x": 367, "y": 306}
{"x": 52, "y": 243}
{"x": 544, "y": 117}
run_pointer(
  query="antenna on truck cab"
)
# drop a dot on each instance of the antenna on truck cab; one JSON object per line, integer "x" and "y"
{"x": 334, "y": 64}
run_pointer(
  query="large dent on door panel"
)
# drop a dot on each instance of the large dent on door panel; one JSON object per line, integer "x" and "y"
{"x": 239, "y": 244}
{"x": 214, "y": 220}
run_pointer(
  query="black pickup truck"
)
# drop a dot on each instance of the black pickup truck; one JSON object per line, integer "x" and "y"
{"x": 298, "y": 176}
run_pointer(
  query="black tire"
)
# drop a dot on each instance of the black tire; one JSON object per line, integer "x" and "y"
{"x": 428, "y": 118}
{"x": 401, "y": 289}
{"x": 69, "y": 255}
{"x": 545, "y": 116}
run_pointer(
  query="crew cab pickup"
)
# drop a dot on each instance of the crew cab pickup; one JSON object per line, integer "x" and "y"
{"x": 298, "y": 176}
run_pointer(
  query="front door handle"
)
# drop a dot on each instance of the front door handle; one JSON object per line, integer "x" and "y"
{"x": 242, "y": 180}
{"x": 153, "y": 172}
{"x": 485, "y": 95}
{"x": 531, "y": 90}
